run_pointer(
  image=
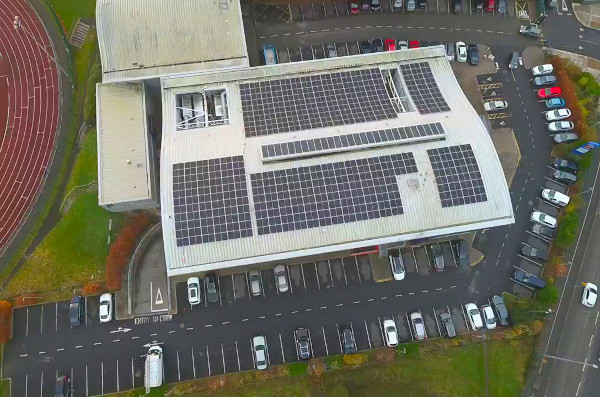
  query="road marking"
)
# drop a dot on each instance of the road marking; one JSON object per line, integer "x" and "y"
{"x": 208, "y": 325}
{"x": 279, "y": 314}
{"x": 238, "y": 359}
{"x": 26, "y": 378}
{"x": 325, "y": 340}
{"x": 371, "y": 299}
{"x": 208, "y": 360}
{"x": 355, "y": 302}
{"x": 225, "y": 323}
{"x": 357, "y": 270}
{"x": 339, "y": 304}
{"x": 42, "y": 320}
{"x": 27, "y": 322}
{"x": 78, "y": 347}
{"x": 23, "y": 355}
{"x": 411, "y": 293}
{"x": 135, "y": 337}
{"x": 56, "y": 317}
{"x": 282, "y": 352}
{"x": 42, "y": 352}
{"x": 307, "y": 310}
{"x": 323, "y": 307}
{"x": 102, "y": 373}
{"x": 295, "y": 311}
{"x": 178, "y": 371}
{"x": 189, "y": 328}
{"x": 223, "y": 356}
{"x": 118, "y": 388}
{"x": 42, "y": 384}
{"x": 438, "y": 289}
{"x": 116, "y": 340}
{"x": 152, "y": 334}
{"x": 330, "y": 273}
{"x": 244, "y": 319}
{"x": 60, "y": 349}
{"x": 303, "y": 280}
{"x": 86, "y": 381}
{"x": 194, "y": 361}
{"x": 133, "y": 374}
{"x": 383, "y": 297}
{"x": 317, "y": 275}
{"x": 97, "y": 343}
{"x": 368, "y": 336}
{"x": 398, "y": 295}
{"x": 261, "y": 317}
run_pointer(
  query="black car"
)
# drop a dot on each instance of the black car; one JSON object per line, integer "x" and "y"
{"x": 302, "y": 343}
{"x": 473, "y": 54}
{"x": 501, "y": 312}
{"x": 76, "y": 311}
{"x": 565, "y": 165}
{"x": 478, "y": 5}
{"x": 63, "y": 387}
{"x": 529, "y": 279}
{"x": 543, "y": 231}
{"x": 365, "y": 47}
{"x": 457, "y": 6}
{"x": 461, "y": 252}
{"x": 378, "y": 45}
{"x": 375, "y": 6}
{"x": 437, "y": 255}
{"x": 564, "y": 177}
{"x": 210, "y": 282}
{"x": 347, "y": 338}
{"x": 535, "y": 253}
{"x": 447, "y": 325}
{"x": 422, "y": 3}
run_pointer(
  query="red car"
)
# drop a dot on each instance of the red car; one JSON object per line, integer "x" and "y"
{"x": 354, "y": 8}
{"x": 390, "y": 45}
{"x": 490, "y": 6}
{"x": 414, "y": 44}
{"x": 549, "y": 92}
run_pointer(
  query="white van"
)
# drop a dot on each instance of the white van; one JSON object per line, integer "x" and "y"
{"x": 555, "y": 197}
{"x": 153, "y": 371}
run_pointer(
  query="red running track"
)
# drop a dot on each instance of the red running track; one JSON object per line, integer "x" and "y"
{"x": 29, "y": 114}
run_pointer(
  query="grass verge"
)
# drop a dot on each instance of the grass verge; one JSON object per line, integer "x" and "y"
{"x": 85, "y": 169}
{"x": 69, "y": 10}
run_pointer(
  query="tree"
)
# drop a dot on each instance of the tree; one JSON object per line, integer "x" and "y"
{"x": 583, "y": 81}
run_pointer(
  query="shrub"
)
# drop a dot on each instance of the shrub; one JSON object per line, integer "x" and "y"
{"x": 334, "y": 362}
{"x": 567, "y": 229}
{"x": 537, "y": 326}
{"x": 354, "y": 359}
{"x": 92, "y": 289}
{"x": 121, "y": 250}
{"x": 5, "y": 321}
{"x": 548, "y": 296}
{"x": 316, "y": 367}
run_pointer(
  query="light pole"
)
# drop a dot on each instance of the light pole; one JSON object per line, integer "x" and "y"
{"x": 571, "y": 361}
{"x": 18, "y": 25}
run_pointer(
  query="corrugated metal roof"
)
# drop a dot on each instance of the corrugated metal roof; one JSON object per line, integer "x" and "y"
{"x": 423, "y": 214}
{"x": 123, "y": 158}
{"x": 145, "y": 38}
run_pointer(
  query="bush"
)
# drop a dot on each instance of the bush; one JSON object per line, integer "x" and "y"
{"x": 121, "y": 250}
{"x": 567, "y": 229}
{"x": 92, "y": 289}
{"x": 5, "y": 321}
{"x": 354, "y": 359}
{"x": 548, "y": 296}
{"x": 334, "y": 362}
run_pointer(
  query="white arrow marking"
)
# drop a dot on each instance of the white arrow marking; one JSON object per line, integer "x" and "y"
{"x": 159, "y": 299}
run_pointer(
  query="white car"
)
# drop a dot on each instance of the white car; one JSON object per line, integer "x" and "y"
{"x": 541, "y": 70}
{"x": 193, "y": 288}
{"x": 391, "y": 334}
{"x": 488, "y": 316}
{"x": 590, "y": 293}
{"x": 558, "y": 114}
{"x": 556, "y": 197}
{"x": 543, "y": 219}
{"x": 461, "y": 51}
{"x": 261, "y": 352}
{"x": 418, "y": 325}
{"x": 397, "y": 265}
{"x": 474, "y": 316}
{"x": 105, "y": 309}
{"x": 493, "y": 106}
{"x": 402, "y": 45}
{"x": 556, "y": 126}
{"x": 281, "y": 278}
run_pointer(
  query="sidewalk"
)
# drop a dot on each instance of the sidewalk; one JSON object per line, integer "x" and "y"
{"x": 588, "y": 15}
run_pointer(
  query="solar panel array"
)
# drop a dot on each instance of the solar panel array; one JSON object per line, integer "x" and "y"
{"x": 329, "y": 194}
{"x": 211, "y": 201}
{"x": 351, "y": 141}
{"x": 457, "y": 175}
{"x": 325, "y": 100}
{"x": 423, "y": 89}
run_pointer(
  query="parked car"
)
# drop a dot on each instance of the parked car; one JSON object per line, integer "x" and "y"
{"x": 402, "y": 45}
{"x": 543, "y": 219}
{"x": 331, "y": 51}
{"x": 365, "y": 47}
{"x": 193, "y": 289}
{"x": 461, "y": 51}
{"x": 261, "y": 352}
{"x": 397, "y": 265}
{"x": 447, "y": 325}
{"x": 255, "y": 282}
{"x": 422, "y": 3}
{"x": 478, "y": 5}
{"x": 528, "y": 279}
{"x": 390, "y": 332}
{"x": 488, "y": 317}
{"x": 270, "y": 54}
{"x": 549, "y": 92}
{"x": 555, "y": 197}
{"x": 513, "y": 60}
{"x": 411, "y": 5}
{"x": 450, "y": 51}
{"x": 414, "y": 44}
{"x": 461, "y": 252}
{"x": 418, "y": 325}
{"x": 437, "y": 256}
{"x": 566, "y": 137}
{"x": 366, "y": 5}
{"x": 590, "y": 294}
{"x": 210, "y": 283}
{"x": 302, "y": 338}
{"x": 281, "y": 278}
{"x": 375, "y": 6}
{"x": 457, "y": 6}
{"x": 502, "y": 7}
{"x": 473, "y": 54}
{"x": 398, "y": 4}
{"x": 354, "y": 8}
{"x": 543, "y": 231}
{"x": 558, "y": 114}
{"x": 560, "y": 126}
{"x": 494, "y": 106}
{"x": 62, "y": 387}
{"x": 76, "y": 311}
{"x": 105, "y": 310}
{"x": 377, "y": 45}
{"x": 548, "y": 79}
{"x": 347, "y": 338}
{"x": 565, "y": 165}
{"x": 554, "y": 103}
{"x": 565, "y": 177}
{"x": 390, "y": 45}
{"x": 541, "y": 70}
{"x": 532, "y": 31}
{"x": 474, "y": 316}
{"x": 500, "y": 306}
{"x": 490, "y": 6}
{"x": 535, "y": 253}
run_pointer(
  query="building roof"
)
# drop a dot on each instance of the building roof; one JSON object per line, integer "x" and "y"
{"x": 321, "y": 156}
{"x": 148, "y": 38}
{"x": 123, "y": 158}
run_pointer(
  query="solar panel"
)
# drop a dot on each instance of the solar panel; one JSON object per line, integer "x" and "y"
{"x": 423, "y": 89}
{"x": 392, "y": 136}
{"x": 329, "y": 194}
{"x": 211, "y": 201}
{"x": 457, "y": 175}
{"x": 325, "y": 100}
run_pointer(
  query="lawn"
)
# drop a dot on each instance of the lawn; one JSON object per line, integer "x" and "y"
{"x": 85, "y": 169}
{"x": 69, "y": 10}
{"x": 73, "y": 253}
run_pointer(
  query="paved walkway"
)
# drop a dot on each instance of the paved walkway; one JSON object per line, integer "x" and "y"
{"x": 588, "y": 15}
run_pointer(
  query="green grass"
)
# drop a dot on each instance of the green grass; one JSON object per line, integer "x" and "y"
{"x": 73, "y": 253}
{"x": 84, "y": 58}
{"x": 69, "y": 10}
{"x": 297, "y": 369}
{"x": 4, "y": 388}
{"x": 85, "y": 168}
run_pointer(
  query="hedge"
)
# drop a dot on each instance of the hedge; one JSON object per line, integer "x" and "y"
{"x": 5, "y": 321}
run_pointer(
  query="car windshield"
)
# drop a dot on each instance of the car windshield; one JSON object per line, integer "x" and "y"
{"x": 193, "y": 291}
{"x": 473, "y": 312}
{"x": 390, "y": 329}
{"x": 490, "y": 320}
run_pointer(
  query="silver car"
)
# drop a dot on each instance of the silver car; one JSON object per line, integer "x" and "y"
{"x": 261, "y": 352}
{"x": 560, "y": 126}
{"x": 255, "y": 283}
{"x": 281, "y": 278}
{"x": 410, "y": 5}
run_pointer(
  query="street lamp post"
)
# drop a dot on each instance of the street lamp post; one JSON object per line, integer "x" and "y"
{"x": 18, "y": 25}
{"x": 585, "y": 364}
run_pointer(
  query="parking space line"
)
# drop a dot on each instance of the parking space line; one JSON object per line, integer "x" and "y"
{"x": 357, "y": 270}
{"x": 233, "y": 282}
{"x": 353, "y": 336}
{"x": 208, "y": 360}
{"x": 427, "y": 255}
{"x": 415, "y": 259}
{"x": 436, "y": 322}
{"x": 86, "y": 311}
{"x": 381, "y": 328}
{"x": 317, "y": 275}
{"x": 282, "y": 352}
{"x": 330, "y": 273}
{"x": 72, "y": 382}
{"x": 118, "y": 388}
{"x": 325, "y": 340}
{"x": 344, "y": 270}
{"x": 178, "y": 369}
{"x": 303, "y": 280}
{"x": 248, "y": 284}
{"x": 204, "y": 290}
{"x": 27, "y": 322}
{"x": 464, "y": 312}
{"x": 56, "y": 317}
{"x": 287, "y": 270}
{"x": 26, "y": 379}
{"x": 219, "y": 291}
{"x": 133, "y": 374}
{"x": 238, "y": 359}
{"x": 102, "y": 373}
{"x": 338, "y": 335}
{"x": 42, "y": 320}
{"x": 86, "y": 381}
{"x": 368, "y": 336}
{"x": 409, "y": 327}
{"x": 223, "y": 356}
{"x": 42, "y": 384}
